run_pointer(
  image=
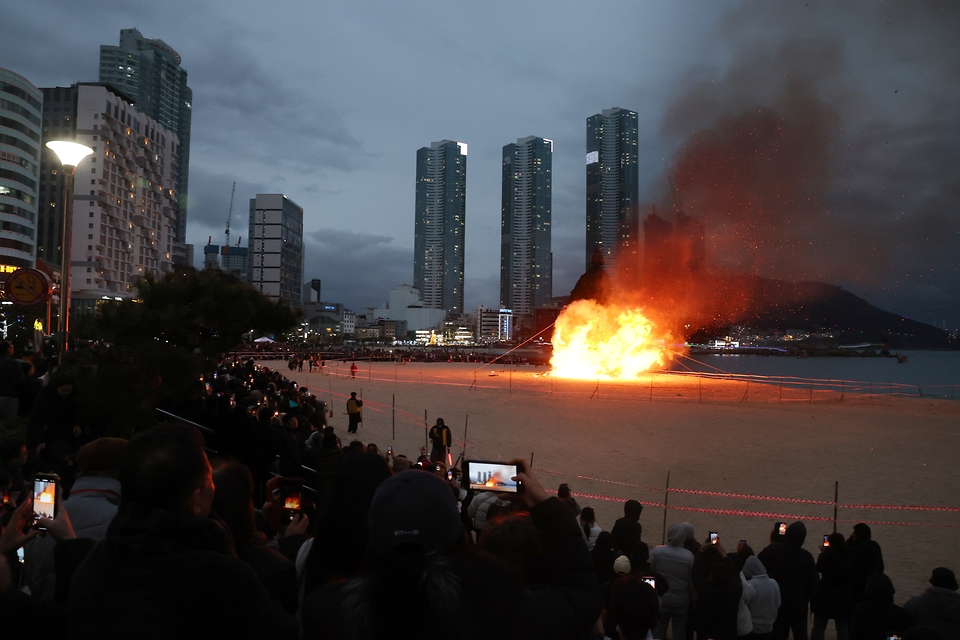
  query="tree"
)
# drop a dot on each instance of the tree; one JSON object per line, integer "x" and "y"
{"x": 161, "y": 343}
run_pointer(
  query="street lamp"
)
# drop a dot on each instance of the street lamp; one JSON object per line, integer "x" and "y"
{"x": 70, "y": 154}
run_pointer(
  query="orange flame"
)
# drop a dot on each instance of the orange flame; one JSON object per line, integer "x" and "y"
{"x": 596, "y": 342}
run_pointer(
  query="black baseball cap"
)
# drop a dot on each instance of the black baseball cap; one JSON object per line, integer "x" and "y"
{"x": 416, "y": 508}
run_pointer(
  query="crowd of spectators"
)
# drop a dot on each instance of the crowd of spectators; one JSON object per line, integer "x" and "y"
{"x": 304, "y": 352}
{"x": 264, "y": 524}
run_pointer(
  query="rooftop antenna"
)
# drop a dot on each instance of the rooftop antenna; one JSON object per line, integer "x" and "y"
{"x": 230, "y": 212}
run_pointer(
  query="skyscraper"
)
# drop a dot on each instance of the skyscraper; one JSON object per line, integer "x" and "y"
{"x": 276, "y": 247}
{"x": 613, "y": 190}
{"x": 124, "y": 194}
{"x": 526, "y": 259}
{"x": 20, "y": 113}
{"x": 149, "y": 71}
{"x": 438, "y": 247}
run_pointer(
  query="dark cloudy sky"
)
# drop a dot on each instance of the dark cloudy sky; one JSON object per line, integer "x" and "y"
{"x": 327, "y": 102}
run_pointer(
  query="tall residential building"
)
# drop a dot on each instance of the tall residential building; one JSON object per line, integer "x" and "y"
{"x": 526, "y": 258}
{"x": 149, "y": 71}
{"x": 20, "y": 132}
{"x": 276, "y": 247}
{"x": 438, "y": 248}
{"x": 235, "y": 260}
{"x": 124, "y": 194}
{"x": 613, "y": 190}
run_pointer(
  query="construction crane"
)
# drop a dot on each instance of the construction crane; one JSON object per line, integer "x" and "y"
{"x": 230, "y": 213}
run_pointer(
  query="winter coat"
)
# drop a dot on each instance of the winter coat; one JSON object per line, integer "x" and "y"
{"x": 867, "y": 559}
{"x": 160, "y": 574}
{"x": 717, "y": 604}
{"x": 674, "y": 563}
{"x": 792, "y": 566}
{"x": 591, "y": 540}
{"x": 877, "y": 617}
{"x": 626, "y": 535}
{"x": 834, "y": 598}
{"x": 91, "y": 506}
{"x": 937, "y": 608}
{"x": 744, "y": 619}
{"x": 766, "y": 599}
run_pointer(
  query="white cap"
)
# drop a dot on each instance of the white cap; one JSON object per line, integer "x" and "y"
{"x": 621, "y": 566}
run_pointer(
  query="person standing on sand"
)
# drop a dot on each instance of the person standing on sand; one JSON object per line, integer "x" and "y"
{"x": 441, "y": 438}
{"x": 353, "y": 370}
{"x": 354, "y": 412}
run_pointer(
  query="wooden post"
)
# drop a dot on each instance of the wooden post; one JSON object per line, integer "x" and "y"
{"x": 919, "y": 389}
{"x": 531, "y": 460}
{"x": 666, "y": 497}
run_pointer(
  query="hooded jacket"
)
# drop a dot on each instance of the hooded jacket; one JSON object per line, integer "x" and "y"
{"x": 674, "y": 563}
{"x": 792, "y": 566}
{"x": 877, "y": 617}
{"x": 766, "y": 598}
{"x": 936, "y": 608}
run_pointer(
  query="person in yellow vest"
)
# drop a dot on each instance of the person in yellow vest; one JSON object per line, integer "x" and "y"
{"x": 354, "y": 410}
{"x": 441, "y": 438}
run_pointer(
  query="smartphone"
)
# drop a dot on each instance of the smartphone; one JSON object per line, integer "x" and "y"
{"x": 291, "y": 490}
{"x": 450, "y": 475}
{"x": 741, "y": 545}
{"x": 826, "y": 539}
{"x": 45, "y": 487}
{"x": 7, "y": 502}
{"x": 782, "y": 528}
{"x": 650, "y": 581}
{"x": 20, "y": 555}
{"x": 714, "y": 537}
{"x": 893, "y": 637}
{"x": 389, "y": 451}
{"x": 490, "y": 476}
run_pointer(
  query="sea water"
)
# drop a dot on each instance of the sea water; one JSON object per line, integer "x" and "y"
{"x": 938, "y": 370}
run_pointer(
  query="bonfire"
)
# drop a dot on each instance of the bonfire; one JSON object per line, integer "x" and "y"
{"x": 606, "y": 342}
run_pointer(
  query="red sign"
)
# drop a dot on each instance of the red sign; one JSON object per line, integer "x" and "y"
{"x": 27, "y": 287}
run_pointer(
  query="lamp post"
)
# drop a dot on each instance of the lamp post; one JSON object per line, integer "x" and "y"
{"x": 70, "y": 154}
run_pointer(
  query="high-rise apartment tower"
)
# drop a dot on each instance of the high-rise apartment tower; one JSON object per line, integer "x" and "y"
{"x": 276, "y": 247}
{"x": 613, "y": 190}
{"x": 438, "y": 248}
{"x": 526, "y": 259}
{"x": 149, "y": 71}
{"x": 20, "y": 129}
{"x": 123, "y": 197}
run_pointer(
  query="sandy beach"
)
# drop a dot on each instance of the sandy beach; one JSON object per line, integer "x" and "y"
{"x": 619, "y": 441}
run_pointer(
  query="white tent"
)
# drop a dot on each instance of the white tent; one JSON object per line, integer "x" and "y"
{"x": 263, "y": 339}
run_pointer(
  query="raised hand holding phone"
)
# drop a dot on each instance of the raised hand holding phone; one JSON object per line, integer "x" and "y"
{"x": 13, "y": 536}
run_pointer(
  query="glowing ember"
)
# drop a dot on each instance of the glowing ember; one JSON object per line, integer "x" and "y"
{"x": 594, "y": 342}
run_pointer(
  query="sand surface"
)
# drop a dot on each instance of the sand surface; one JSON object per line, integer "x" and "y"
{"x": 709, "y": 435}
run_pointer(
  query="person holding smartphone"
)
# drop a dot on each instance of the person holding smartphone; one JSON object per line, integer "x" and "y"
{"x": 415, "y": 532}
